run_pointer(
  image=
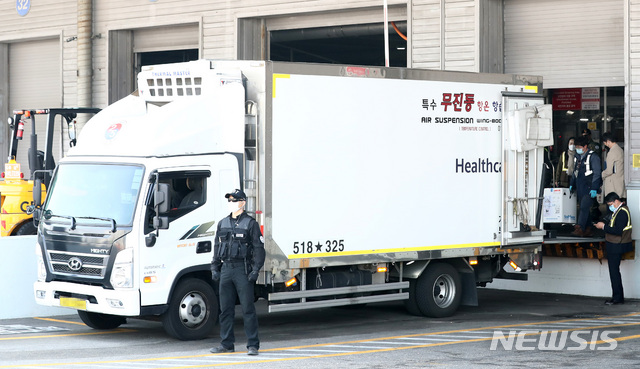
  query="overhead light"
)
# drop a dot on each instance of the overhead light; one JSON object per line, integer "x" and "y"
{"x": 570, "y": 112}
{"x": 584, "y": 119}
{"x": 401, "y": 48}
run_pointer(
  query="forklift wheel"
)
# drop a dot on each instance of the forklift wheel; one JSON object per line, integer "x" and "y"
{"x": 27, "y": 229}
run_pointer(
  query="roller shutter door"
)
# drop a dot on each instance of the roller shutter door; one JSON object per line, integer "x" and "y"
{"x": 571, "y": 43}
{"x": 35, "y": 83}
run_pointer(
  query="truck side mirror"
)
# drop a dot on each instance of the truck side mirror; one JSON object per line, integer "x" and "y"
{"x": 150, "y": 240}
{"x": 162, "y": 202}
{"x": 37, "y": 192}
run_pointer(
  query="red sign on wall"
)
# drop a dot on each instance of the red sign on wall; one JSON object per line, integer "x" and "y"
{"x": 567, "y": 99}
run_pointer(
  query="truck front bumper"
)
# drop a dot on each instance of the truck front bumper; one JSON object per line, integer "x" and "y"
{"x": 124, "y": 302}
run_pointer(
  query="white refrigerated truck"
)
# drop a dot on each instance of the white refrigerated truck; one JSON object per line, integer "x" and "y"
{"x": 370, "y": 184}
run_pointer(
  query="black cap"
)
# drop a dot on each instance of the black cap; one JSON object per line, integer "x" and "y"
{"x": 237, "y": 194}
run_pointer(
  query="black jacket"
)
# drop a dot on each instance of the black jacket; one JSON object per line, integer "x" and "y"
{"x": 237, "y": 240}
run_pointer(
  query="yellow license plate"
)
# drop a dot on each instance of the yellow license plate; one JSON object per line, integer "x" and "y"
{"x": 73, "y": 303}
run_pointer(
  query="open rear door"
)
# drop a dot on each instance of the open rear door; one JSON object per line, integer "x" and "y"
{"x": 527, "y": 129}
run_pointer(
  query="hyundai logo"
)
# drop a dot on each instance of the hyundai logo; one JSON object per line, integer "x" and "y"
{"x": 75, "y": 264}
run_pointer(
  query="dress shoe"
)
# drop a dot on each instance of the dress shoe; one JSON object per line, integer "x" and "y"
{"x": 612, "y": 302}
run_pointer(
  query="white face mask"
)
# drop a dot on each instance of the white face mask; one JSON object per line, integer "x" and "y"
{"x": 234, "y": 206}
{"x": 572, "y": 147}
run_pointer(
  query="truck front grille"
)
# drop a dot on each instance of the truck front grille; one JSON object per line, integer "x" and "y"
{"x": 92, "y": 266}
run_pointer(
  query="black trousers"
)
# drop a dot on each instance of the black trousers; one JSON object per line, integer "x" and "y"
{"x": 233, "y": 280}
{"x": 614, "y": 256}
{"x": 584, "y": 216}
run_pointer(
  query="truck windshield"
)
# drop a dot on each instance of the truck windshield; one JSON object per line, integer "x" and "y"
{"x": 107, "y": 191}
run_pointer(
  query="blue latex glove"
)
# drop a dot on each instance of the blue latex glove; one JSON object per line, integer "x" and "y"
{"x": 570, "y": 188}
{"x": 593, "y": 194}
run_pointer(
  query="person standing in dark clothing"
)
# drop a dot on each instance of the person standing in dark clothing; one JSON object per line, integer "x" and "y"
{"x": 237, "y": 258}
{"x": 586, "y": 180}
{"x": 618, "y": 237}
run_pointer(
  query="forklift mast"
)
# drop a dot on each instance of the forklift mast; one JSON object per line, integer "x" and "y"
{"x": 41, "y": 163}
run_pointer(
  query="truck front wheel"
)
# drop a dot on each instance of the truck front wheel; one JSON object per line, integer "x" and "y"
{"x": 438, "y": 290}
{"x": 101, "y": 321}
{"x": 192, "y": 312}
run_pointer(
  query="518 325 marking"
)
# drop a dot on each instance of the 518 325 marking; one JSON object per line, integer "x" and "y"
{"x": 310, "y": 247}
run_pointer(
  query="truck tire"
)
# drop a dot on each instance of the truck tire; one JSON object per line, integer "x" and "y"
{"x": 411, "y": 304}
{"x": 438, "y": 290}
{"x": 192, "y": 312}
{"x": 101, "y": 321}
{"x": 27, "y": 229}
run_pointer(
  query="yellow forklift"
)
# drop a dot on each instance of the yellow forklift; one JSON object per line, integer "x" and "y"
{"x": 16, "y": 193}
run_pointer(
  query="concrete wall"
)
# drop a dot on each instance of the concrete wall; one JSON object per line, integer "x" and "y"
{"x": 17, "y": 274}
{"x": 585, "y": 277}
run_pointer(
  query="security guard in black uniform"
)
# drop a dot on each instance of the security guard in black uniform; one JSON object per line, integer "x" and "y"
{"x": 618, "y": 237}
{"x": 237, "y": 258}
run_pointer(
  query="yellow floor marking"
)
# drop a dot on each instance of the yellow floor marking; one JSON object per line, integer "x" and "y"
{"x": 60, "y": 321}
{"x": 626, "y": 338}
{"x": 347, "y": 342}
{"x": 458, "y": 331}
{"x": 119, "y": 330}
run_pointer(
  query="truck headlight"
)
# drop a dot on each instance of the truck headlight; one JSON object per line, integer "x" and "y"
{"x": 42, "y": 270}
{"x": 122, "y": 274}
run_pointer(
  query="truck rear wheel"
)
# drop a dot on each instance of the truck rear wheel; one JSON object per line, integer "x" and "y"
{"x": 438, "y": 290}
{"x": 101, "y": 321}
{"x": 192, "y": 312}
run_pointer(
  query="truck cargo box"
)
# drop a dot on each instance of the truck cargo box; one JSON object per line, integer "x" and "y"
{"x": 373, "y": 164}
